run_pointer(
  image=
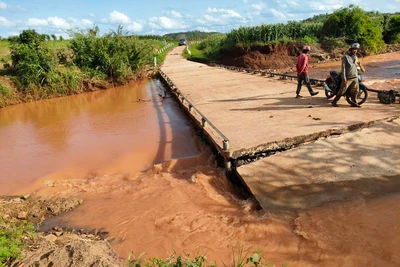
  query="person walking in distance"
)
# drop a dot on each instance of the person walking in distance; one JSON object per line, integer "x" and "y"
{"x": 302, "y": 72}
{"x": 349, "y": 76}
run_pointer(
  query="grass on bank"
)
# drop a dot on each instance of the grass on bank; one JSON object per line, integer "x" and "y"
{"x": 4, "y": 51}
{"x": 33, "y": 68}
{"x": 13, "y": 236}
{"x": 240, "y": 259}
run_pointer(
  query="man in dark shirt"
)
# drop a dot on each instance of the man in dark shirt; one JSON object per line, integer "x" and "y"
{"x": 349, "y": 76}
{"x": 302, "y": 72}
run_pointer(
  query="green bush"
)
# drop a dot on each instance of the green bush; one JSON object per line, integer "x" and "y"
{"x": 354, "y": 25}
{"x": 117, "y": 56}
{"x": 393, "y": 30}
{"x": 255, "y": 260}
{"x": 4, "y": 90}
{"x": 31, "y": 59}
{"x": 64, "y": 81}
{"x": 309, "y": 40}
{"x": 11, "y": 240}
{"x": 209, "y": 49}
{"x": 330, "y": 44}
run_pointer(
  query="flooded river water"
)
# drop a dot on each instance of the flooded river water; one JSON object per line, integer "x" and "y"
{"x": 148, "y": 180}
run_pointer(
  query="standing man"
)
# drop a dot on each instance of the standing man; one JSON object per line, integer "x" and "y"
{"x": 349, "y": 76}
{"x": 302, "y": 72}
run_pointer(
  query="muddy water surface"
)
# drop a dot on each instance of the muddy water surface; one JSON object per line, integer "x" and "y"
{"x": 90, "y": 134}
{"x": 149, "y": 182}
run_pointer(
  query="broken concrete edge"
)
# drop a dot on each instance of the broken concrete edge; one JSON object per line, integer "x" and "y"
{"x": 222, "y": 157}
{"x": 243, "y": 156}
{"x": 188, "y": 108}
{"x": 271, "y": 148}
{"x": 230, "y": 160}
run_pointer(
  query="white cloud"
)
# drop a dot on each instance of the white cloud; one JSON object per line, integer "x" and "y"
{"x": 175, "y": 14}
{"x": 203, "y": 29}
{"x": 220, "y": 16}
{"x": 278, "y": 14}
{"x": 260, "y": 6}
{"x": 87, "y": 23}
{"x": 5, "y": 22}
{"x": 154, "y": 25}
{"x": 135, "y": 27}
{"x": 226, "y": 13}
{"x": 165, "y": 23}
{"x": 245, "y": 1}
{"x": 32, "y": 22}
{"x": 3, "y": 5}
{"x": 117, "y": 18}
{"x": 323, "y": 7}
{"x": 59, "y": 23}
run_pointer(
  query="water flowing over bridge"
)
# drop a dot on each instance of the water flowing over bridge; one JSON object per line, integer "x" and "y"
{"x": 289, "y": 153}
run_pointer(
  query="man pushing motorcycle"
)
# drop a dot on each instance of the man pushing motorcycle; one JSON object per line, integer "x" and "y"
{"x": 349, "y": 76}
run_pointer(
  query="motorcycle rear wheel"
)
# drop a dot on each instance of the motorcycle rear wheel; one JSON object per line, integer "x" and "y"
{"x": 361, "y": 97}
{"x": 330, "y": 83}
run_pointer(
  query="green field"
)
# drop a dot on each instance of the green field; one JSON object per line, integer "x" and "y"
{"x": 4, "y": 51}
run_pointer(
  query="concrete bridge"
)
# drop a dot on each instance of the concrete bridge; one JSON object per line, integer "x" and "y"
{"x": 289, "y": 153}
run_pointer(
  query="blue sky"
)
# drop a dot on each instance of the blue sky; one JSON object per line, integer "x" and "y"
{"x": 161, "y": 17}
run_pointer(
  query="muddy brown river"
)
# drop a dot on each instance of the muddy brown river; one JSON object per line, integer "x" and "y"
{"x": 150, "y": 182}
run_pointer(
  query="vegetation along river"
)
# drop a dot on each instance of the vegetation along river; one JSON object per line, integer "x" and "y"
{"x": 148, "y": 180}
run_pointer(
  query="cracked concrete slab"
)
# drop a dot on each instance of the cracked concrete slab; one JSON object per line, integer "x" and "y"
{"x": 328, "y": 153}
{"x": 258, "y": 113}
{"x": 360, "y": 163}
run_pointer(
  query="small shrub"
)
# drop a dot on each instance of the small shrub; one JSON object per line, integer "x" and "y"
{"x": 117, "y": 56}
{"x": 309, "y": 40}
{"x": 31, "y": 59}
{"x": 4, "y": 90}
{"x": 11, "y": 240}
{"x": 64, "y": 81}
{"x": 240, "y": 260}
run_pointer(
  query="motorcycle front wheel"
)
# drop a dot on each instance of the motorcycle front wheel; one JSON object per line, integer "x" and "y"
{"x": 361, "y": 97}
{"x": 330, "y": 83}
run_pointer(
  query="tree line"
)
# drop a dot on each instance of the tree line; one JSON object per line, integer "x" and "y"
{"x": 373, "y": 30}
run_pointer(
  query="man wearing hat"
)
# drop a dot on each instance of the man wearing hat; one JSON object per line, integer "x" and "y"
{"x": 349, "y": 76}
{"x": 302, "y": 72}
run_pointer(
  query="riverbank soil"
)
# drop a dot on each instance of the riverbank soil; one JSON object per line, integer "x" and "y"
{"x": 283, "y": 57}
{"x": 56, "y": 247}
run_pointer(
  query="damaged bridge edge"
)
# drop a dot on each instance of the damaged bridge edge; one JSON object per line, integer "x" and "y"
{"x": 262, "y": 150}
{"x": 245, "y": 156}
{"x": 231, "y": 160}
{"x": 219, "y": 144}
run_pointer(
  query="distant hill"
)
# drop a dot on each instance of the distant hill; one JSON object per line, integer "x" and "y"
{"x": 318, "y": 18}
{"x": 190, "y": 35}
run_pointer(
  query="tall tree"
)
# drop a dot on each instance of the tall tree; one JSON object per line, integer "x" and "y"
{"x": 354, "y": 25}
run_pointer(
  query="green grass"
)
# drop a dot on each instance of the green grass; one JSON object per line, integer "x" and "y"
{"x": 57, "y": 44}
{"x": 240, "y": 259}
{"x": 196, "y": 54}
{"x": 12, "y": 236}
{"x": 4, "y": 51}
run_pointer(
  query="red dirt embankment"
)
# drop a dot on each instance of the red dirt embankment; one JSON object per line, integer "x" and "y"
{"x": 282, "y": 56}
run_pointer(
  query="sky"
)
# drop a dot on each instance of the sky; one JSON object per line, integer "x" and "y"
{"x": 159, "y": 17}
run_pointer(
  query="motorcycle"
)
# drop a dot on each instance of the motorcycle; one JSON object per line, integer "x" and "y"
{"x": 333, "y": 83}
